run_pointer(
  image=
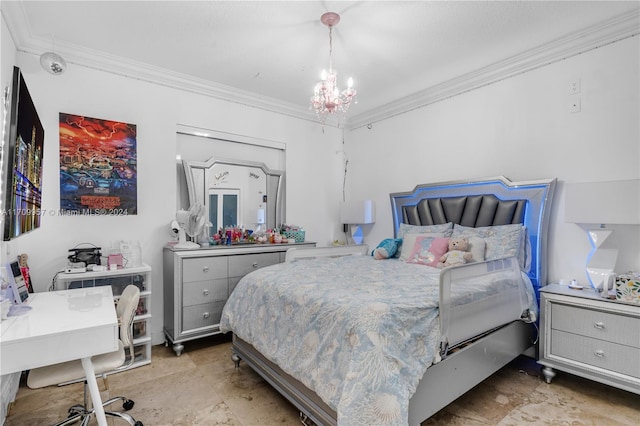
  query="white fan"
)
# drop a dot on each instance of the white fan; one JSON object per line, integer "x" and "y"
{"x": 174, "y": 229}
{"x": 191, "y": 223}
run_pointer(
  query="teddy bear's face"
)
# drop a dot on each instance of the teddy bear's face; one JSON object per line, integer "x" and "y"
{"x": 458, "y": 244}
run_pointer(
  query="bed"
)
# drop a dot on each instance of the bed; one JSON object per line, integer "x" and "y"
{"x": 351, "y": 340}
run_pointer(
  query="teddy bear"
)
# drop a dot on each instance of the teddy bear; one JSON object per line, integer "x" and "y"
{"x": 386, "y": 249}
{"x": 458, "y": 253}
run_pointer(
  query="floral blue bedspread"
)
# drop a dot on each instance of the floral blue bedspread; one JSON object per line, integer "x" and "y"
{"x": 358, "y": 332}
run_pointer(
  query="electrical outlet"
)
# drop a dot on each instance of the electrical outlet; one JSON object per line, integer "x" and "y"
{"x": 574, "y": 104}
{"x": 574, "y": 86}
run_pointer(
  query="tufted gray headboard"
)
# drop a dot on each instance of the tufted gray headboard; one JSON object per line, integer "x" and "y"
{"x": 474, "y": 211}
{"x": 483, "y": 202}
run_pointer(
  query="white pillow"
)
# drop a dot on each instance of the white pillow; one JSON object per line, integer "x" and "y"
{"x": 501, "y": 241}
{"x": 424, "y": 229}
{"x": 476, "y": 248}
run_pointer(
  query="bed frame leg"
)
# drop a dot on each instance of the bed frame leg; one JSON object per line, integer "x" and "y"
{"x": 305, "y": 420}
{"x": 236, "y": 359}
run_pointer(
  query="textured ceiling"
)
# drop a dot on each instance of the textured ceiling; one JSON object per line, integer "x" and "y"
{"x": 274, "y": 51}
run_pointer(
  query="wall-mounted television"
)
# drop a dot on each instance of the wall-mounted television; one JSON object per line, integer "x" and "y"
{"x": 22, "y": 166}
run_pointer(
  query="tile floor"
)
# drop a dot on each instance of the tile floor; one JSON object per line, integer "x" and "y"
{"x": 202, "y": 387}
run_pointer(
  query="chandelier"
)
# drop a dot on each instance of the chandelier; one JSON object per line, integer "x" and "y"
{"x": 327, "y": 97}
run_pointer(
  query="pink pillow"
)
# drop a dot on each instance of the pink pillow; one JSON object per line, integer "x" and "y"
{"x": 428, "y": 250}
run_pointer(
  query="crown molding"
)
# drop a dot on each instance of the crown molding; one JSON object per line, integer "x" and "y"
{"x": 26, "y": 42}
{"x": 599, "y": 35}
{"x": 606, "y": 32}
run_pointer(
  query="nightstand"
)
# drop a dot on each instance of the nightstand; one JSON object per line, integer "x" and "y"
{"x": 589, "y": 336}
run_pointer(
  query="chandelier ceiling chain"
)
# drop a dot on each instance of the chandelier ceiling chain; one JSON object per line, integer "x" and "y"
{"x": 327, "y": 97}
{"x": 331, "y": 48}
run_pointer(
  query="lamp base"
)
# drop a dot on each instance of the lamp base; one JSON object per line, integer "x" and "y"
{"x": 600, "y": 262}
{"x": 597, "y": 277}
{"x": 356, "y": 234}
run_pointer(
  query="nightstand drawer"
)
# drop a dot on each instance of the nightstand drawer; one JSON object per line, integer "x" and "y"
{"x": 597, "y": 324}
{"x": 241, "y": 265}
{"x": 204, "y": 268}
{"x": 194, "y": 293}
{"x": 204, "y": 315}
{"x": 598, "y": 353}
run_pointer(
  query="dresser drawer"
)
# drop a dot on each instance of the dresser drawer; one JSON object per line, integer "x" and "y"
{"x": 598, "y": 353}
{"x": 203, "y": 315}
{"x": 616, "y": 328}
{"x": 204, "y": 268}
{"x": 197, "y": 292}
{"x": 241, "y": 265}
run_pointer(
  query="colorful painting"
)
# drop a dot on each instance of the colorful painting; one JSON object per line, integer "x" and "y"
{"x": 98, "y": 169}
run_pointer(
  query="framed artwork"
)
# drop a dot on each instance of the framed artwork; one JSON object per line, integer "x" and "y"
{"x": 98, "y": 166}
{"x": 22, "y": 171}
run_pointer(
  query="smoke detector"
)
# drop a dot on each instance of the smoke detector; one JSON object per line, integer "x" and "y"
{"x": 53, "y": 63}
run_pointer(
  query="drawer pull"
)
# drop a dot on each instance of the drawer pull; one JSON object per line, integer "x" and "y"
{"x": 205, "y": 292}
{"x": 205, "y": 315}
{"x": 599, "y": 353}
{"x": 599, "y": 325}
{"x": 255, "y": 264}
{"x": 205, "y": 269}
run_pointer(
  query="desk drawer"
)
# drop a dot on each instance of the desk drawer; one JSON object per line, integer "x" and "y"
{"x": 241, "y": 265}
{"x": 198, "y": 292}
{"x": 599, "y": 353}
{"x": 204, "y": 268}
{"x": 203, "y": 315}
{"x": 616, "y": 328}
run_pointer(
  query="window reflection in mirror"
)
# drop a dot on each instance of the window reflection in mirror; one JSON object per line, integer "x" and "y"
{"x": 224, "y": 207}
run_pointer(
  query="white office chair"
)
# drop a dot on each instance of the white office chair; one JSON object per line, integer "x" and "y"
{"x": 103, "y": 364}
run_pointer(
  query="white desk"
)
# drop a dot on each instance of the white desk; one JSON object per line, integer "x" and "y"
{"x": 62, "y": 326}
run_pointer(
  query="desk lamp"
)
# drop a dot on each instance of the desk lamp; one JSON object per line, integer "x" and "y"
{"x": 356, "y": 213}
{"x": 602, "y": 203}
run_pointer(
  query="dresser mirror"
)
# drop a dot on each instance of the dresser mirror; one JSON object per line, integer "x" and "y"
{"x": 236, "y": 192}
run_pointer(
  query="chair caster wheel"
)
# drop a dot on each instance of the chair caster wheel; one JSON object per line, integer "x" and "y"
{"x": 128, "y": 404}
{"x": 139, "y": 423}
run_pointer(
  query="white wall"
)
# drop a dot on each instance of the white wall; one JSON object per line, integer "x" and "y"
{"x": 520, "y": 128}
{"x": 311, "y": 163}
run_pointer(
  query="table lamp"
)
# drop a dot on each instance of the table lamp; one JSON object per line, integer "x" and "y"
{"x": 356, "y": 213}
{"x": 602, "y": 203}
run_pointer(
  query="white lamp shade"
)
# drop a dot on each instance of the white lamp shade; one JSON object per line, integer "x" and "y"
{"x": 358, "y": 212}
{"x": 613, "y": 202}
